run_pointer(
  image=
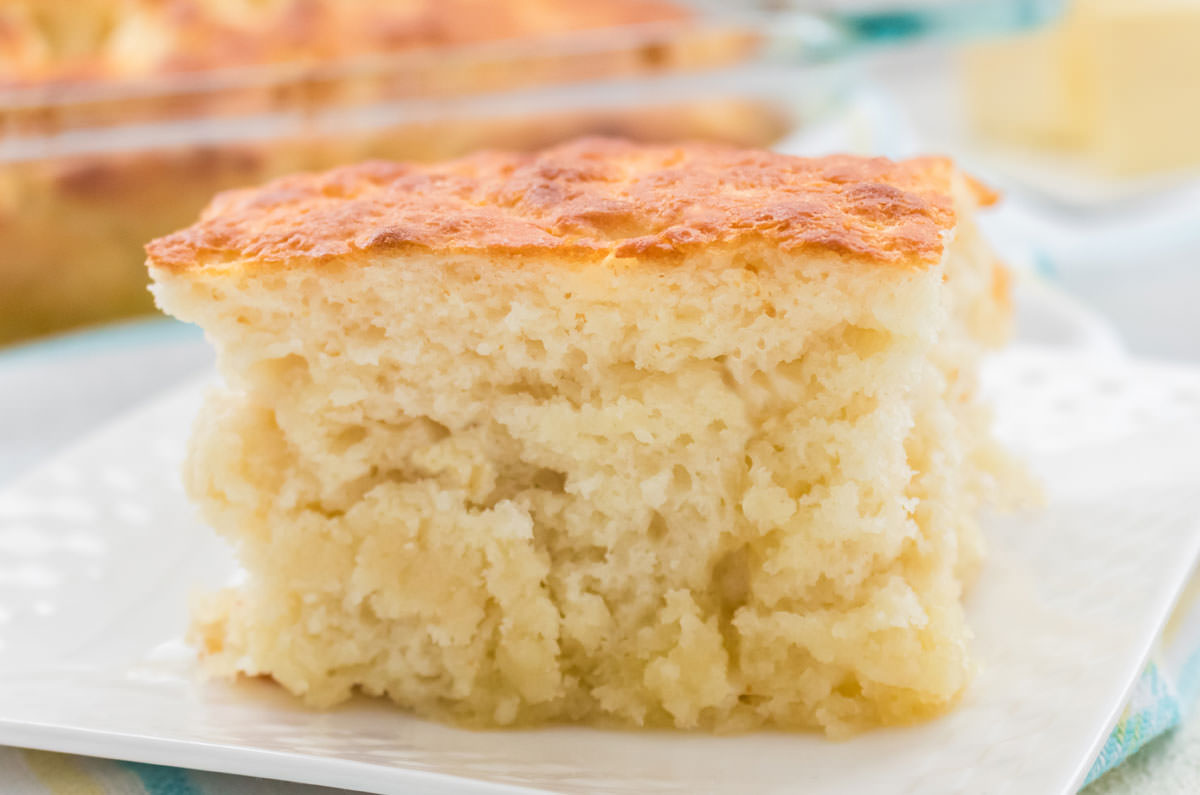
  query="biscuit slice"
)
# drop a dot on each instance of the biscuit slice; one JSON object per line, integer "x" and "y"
{"x": 640, "y": 435}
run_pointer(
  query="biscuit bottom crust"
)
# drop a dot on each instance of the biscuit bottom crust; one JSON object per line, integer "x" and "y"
{"x": 732, "y": 492}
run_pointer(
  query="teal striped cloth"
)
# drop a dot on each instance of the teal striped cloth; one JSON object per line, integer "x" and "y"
{"x": 1155, "y": 707}
{"x": 25, "y": 772}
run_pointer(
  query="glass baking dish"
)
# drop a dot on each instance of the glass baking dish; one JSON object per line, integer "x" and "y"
{"x": 92, "y": 166}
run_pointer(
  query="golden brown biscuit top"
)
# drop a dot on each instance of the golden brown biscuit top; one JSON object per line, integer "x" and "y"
{"x": 589, "y": 199}
{"x": 53, "y": 40}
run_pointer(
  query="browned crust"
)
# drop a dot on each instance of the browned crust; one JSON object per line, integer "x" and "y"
{"x": 1002, "y": 285}
{"x": 586, "y": 200}
{"x": 52, "y": 40}
{"x": 984, "y": 195}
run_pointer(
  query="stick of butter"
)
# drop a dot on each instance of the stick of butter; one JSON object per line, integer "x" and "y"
{"x": 1116, "y": 80}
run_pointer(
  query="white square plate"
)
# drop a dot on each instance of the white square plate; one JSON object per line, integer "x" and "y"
{"x": 99, "y": 551}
